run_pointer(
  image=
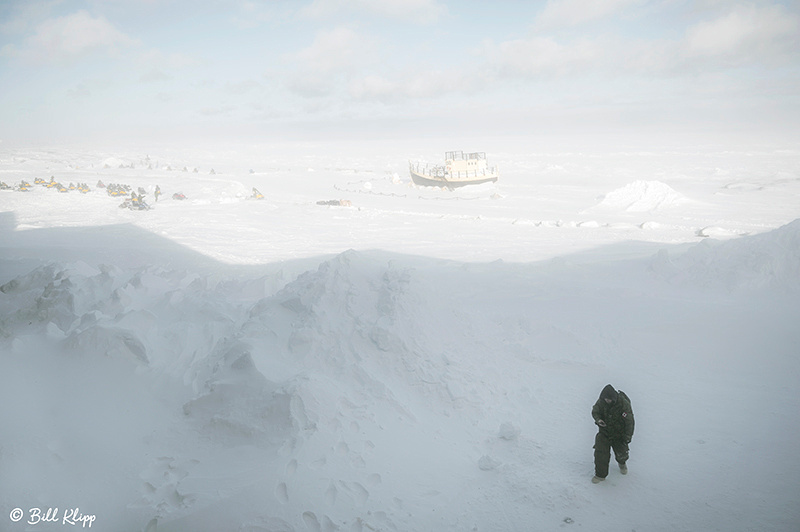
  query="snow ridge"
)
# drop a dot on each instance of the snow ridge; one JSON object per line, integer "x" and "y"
{"x": 642, "y": 196}
{"x": 372, "y": 393}
{"x": 767, "y": 260}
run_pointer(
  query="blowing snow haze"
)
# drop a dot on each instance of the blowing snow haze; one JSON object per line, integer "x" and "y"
{"x": 296, "y": 337}
{"x": 177, "y": 69}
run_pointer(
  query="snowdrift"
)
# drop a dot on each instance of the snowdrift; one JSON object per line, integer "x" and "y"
{"x": 641, "y": 196}
{"x": 385, "y": 392}
{"x": 768, "y": 260}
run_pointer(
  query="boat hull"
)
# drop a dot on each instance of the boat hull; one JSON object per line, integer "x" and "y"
{"x": 430, "y": 181}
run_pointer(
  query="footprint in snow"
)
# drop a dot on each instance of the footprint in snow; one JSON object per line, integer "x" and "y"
{"x": 357, "y": 491}
{"x": 312, "y": 523}
{"x": 331, "y": 493}
{"x": 282, "y": 493}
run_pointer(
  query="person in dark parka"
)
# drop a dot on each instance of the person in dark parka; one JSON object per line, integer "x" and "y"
{"x": 613, "y": 415}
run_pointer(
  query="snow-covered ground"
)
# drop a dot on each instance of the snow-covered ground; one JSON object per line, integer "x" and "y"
{"x": 420, "y": 359}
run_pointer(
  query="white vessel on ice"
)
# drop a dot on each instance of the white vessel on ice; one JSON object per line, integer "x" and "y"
{"x": 459, "y": 169}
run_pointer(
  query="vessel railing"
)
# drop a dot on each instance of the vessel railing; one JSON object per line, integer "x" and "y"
{"x": 441, "y": 172}
{"x": 461, "y": 156}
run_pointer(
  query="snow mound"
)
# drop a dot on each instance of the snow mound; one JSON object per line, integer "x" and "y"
{"x": 360, "y": 395}
{"x": 768, "y": 260}
{"x": 309, "y": 375}
{"x": 114, "y": 162}
{"x": 642, "y": 196}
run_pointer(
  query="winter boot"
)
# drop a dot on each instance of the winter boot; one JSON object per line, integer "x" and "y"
{"x": 596, "y": 479}
{"x": 623, "y": 468}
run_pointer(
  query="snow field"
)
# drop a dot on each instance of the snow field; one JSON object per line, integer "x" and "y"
{"x": 166, "y": 375}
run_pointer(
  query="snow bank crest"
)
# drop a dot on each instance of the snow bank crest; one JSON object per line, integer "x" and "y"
{"x": 768, "y": 260}
{"x": 642, "y": 196}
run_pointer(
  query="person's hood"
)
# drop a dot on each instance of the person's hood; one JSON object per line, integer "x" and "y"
{"x": 609, "y": 393}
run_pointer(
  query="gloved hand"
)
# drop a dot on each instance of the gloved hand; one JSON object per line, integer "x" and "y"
{"x": 600, "y": 423}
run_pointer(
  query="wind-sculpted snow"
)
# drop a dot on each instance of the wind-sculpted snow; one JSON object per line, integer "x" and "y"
{"x": 246, "y": 369}
{"x": 768, "y": 260}
{"x": 385, "y": 392}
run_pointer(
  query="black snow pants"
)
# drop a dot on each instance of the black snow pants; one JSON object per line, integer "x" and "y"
{"x": 602, "y": 453}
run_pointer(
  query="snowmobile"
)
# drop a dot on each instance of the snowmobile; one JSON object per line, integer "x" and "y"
{"x": 114, "y": 189}
{"x": 337, "y": 203}
{"x": 135, "y": 203}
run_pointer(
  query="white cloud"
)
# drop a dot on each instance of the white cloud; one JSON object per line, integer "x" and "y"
{"x": 157, "y": 66}
{"x": 416, "y": 85}
{"x": 25, "y": 15}
{"x": 154, "y": 75}
{"x": 337, "y": 50}
{"x": 745, "y": 34}
{"x": 79, "y": 92}
{"x": 242, "y": 87}
{"x": 374, "y": 87}
{"x": 417, "y": 11}
{"x": 252, "y": 14}
{"x": 765, "y": 35}
{"x": 560, "y": 13}
{"x": 68, "y": 37}
{"x": 334, "y": 55}
{"x": 542, "y": 56}
{"x": 217, "y": 111}
{"x": 310, "y": 86}
{"x": 155, "y": 58}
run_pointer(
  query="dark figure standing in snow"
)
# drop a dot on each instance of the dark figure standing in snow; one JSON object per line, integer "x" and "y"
{"x": 613, "y": 414}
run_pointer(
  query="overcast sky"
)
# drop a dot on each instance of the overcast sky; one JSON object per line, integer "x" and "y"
{"x": 101, "y": 68}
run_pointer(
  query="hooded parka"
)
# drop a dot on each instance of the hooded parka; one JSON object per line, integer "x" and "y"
{"x": 617, "y": 416}
{"x": 615, "y": 421}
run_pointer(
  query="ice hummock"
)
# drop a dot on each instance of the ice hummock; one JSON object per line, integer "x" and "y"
{"x": 642, "y": 196}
